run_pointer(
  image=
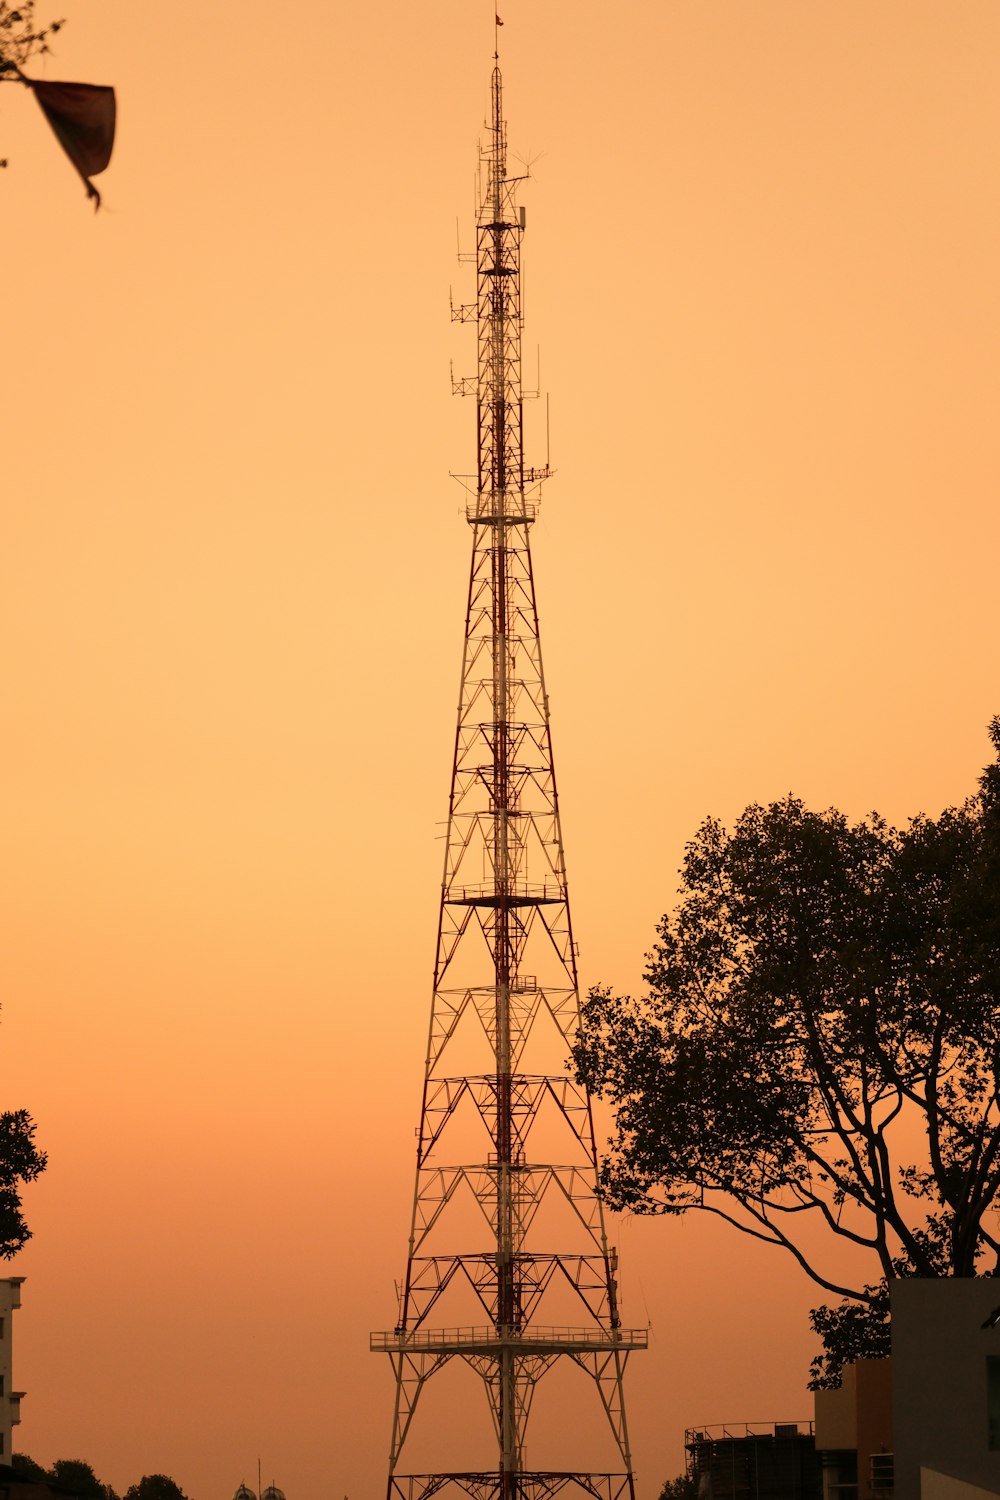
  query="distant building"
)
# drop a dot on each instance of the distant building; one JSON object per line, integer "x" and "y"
{"x": 754, "y": 1461}
{"x": 10, "y": 1400}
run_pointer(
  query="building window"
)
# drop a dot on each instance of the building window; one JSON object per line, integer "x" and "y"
{"x": 882, "y": 1471}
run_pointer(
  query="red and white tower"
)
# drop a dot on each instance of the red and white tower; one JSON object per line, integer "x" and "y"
{"x": 506, "y": 1156}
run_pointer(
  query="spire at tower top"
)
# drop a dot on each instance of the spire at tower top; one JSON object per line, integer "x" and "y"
{"x": 499, "y": 134}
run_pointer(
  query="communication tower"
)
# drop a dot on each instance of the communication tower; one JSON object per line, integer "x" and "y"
{"x": 506, "y": 1155}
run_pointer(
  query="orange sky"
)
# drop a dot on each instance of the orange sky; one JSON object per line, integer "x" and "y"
{"x": 761, "y": 264}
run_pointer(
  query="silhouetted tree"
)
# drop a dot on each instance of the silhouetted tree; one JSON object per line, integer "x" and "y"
{"x": 79, "y": 1478}
{"x": 20, "y": 1162}
{"x": 850, "y": 1331}
{"x": 155, "y": 1487}
{"x": 825, "y": 995}
{"x": 26, "y": 1467}
{"x": 684, "y": 1487}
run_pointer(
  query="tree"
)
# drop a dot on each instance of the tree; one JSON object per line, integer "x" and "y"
{"x": 854, "y": 1330}
{"x": 684, "y": 1487}
{"x": 26, "y": 1468}
{"x": 155, "y": 1487}
{"x": 819, "y": 1047}
{"x": 79, "y": 1478}
{"x": 20, "y": 1162}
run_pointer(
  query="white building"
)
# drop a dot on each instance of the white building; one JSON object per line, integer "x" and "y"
{"x": 10, "y": 1400}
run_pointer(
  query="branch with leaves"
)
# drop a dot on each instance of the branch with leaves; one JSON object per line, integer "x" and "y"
{"x": 21, "y": 37}
{"x": 20, "y": 1162}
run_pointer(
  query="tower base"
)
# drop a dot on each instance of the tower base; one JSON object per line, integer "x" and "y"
{"x": 528, "y": 1485}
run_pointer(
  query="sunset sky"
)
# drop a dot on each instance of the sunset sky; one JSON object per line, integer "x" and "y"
{"x": 761, "y": 267}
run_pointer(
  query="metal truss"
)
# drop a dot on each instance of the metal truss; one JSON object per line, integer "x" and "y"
{"x": 532, "y": 1486}
{"x": 506, "y": 1138}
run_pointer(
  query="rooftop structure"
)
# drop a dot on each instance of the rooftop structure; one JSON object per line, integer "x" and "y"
{"x": 754, "y": 1461}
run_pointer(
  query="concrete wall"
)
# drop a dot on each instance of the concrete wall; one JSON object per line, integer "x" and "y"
{"x": 836, "y": 1414}
{"x": 935, "y": 1486}
{"x": 940, "y": 1382}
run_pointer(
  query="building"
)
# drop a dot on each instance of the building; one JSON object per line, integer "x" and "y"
{"x": 754, "y": 1461}
{"x": 925, "y": 1424}
{"x": 946, "y": 1387}
{"x": 10, "y": 1400}
{"x": 854, "y": 1433}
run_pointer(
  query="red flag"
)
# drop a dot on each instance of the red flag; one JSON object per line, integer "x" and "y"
{"x": 83, "y": 118}
{"x": 498, "y": 20}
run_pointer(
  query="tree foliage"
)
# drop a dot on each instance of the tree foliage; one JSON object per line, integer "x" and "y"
{"x": 25, "y": 1467}
{"x": 20, "y": 1162}
{"x": 684, "y": 1487}
{"x": 78, "y": 1477}
{"x": 155, "y": 1487}
{"x": 21, "y": 37}
{"x": 819, "y": 1045}
{"x": 850, "y": 1331}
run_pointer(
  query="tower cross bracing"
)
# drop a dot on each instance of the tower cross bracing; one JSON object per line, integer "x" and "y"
{"x": 506, "y": 1150}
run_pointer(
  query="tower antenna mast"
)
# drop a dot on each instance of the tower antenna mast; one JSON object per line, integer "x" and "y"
{"x": 506, "y": 1137}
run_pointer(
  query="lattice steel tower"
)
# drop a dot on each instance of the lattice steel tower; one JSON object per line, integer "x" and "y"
{"x": 506, "y": 1151}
